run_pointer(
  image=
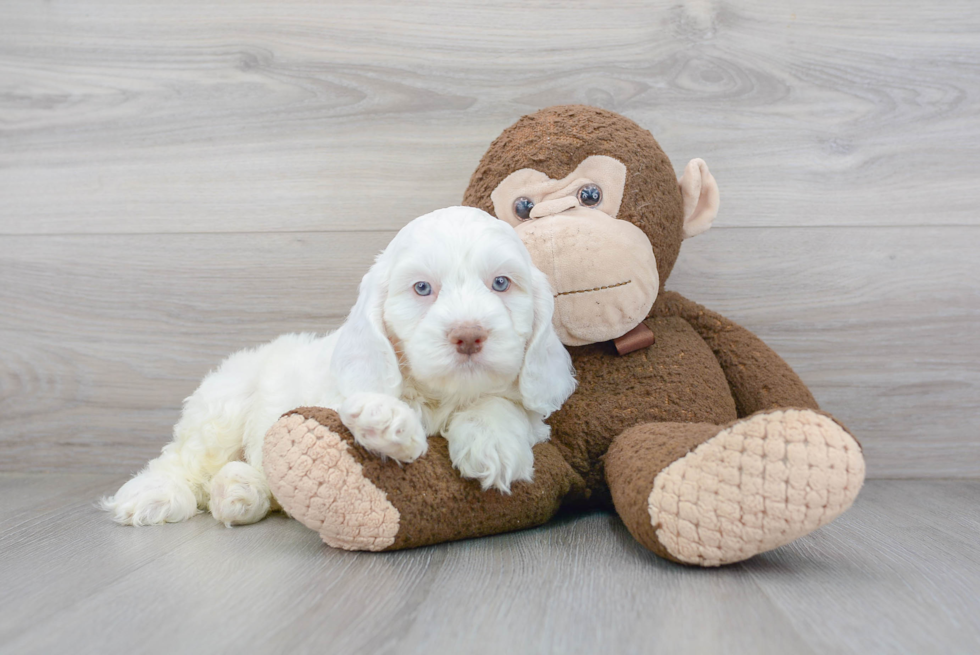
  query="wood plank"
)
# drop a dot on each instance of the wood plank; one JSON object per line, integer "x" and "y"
{"x": 63, "y": 549}
{"x": 264, "y": 116}
{"x": 26, "y": 494}
{"x": 881, "y": 323}
{"x": 254, "y": 588}
{"x": 578, "y": 586}
{"x": 898, "y": 573}
{"x": 109, "y": 334}
{"x": 586, "y": 586}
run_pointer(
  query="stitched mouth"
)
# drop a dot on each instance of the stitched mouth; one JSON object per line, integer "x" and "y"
{"x": 608, "y": 286}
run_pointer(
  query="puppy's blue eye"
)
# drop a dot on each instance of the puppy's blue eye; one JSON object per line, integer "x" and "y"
{"x": 423, "y": 288}
{"x": 500, "y": 283}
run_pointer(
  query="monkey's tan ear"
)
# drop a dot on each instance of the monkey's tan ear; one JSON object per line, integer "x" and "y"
{"x": 700, "y": 193}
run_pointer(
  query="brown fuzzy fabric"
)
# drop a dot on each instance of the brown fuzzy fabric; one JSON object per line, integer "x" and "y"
{"x": 556, "y": 140}
{"x": 633, "y": 462}
{"x": 759, "y": 378}
{"x": 677, "y": 379}
{"x": 437, "y": 505}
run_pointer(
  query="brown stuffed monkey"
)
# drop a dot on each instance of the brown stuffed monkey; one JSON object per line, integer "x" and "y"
{"x": 705, "y": 442}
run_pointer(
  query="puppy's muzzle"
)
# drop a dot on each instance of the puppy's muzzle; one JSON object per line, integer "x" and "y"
{"x": 468, "y": 339}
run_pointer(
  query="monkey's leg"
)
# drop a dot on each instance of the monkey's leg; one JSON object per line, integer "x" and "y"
{"x": 356, "y": 501}
{"x": 709, "y": 495}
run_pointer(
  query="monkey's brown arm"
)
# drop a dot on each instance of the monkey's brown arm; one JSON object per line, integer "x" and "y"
{"x": 758, "y": 377}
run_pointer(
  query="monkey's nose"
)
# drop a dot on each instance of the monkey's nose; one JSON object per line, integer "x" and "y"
{"x": 468, "y": 339}
{"x": 552, "y": 207}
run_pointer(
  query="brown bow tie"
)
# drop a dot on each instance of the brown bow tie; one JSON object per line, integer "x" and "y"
{"x": 639, "y": 337}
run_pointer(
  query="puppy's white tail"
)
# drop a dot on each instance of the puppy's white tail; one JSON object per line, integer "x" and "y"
{"x": 160, "y": 493}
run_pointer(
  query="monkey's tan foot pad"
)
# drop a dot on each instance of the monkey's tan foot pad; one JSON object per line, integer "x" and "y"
{"x": 357, "y": 501}
{"x": 757, "y": 485}
{"x": 319, "y": 482}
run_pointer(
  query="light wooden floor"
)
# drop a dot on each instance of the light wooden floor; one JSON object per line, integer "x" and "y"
{"x": 899, "y": 573}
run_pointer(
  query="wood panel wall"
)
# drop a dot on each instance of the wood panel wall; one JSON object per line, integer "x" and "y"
{"x": 182, "y": 179}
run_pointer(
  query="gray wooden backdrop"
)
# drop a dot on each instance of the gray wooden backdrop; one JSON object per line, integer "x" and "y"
{"x": 182, "y": 179}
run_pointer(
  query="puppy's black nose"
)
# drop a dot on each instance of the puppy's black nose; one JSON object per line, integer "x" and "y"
{"x": 468, "y": 339}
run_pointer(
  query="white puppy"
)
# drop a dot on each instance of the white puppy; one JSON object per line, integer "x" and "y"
{"x": 451, "y": 334}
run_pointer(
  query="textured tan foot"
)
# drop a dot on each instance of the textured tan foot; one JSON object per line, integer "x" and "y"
{"x": 315, "y": 479}
{"x": 761, "y": 483}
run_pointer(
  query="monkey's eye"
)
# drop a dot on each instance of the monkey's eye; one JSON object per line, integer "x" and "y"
{"x": 423, "y": 288}
{"x": 523, "y": 207}
{"x": 500, "y": 283}
{"x": 590, "y": 195}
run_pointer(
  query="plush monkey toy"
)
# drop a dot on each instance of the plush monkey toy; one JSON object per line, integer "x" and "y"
{"x": 705, "y": 442}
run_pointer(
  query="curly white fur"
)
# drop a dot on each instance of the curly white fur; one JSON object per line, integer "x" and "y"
{"x": 391, "y": 372}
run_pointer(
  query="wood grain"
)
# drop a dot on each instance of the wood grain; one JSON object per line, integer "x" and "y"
{"x": 111, "y": 333}
{"x": 26, "y": 494}
{"x": 914, "y": 544}
{"x": 179, "y": 180}
{"x": 61, "y": 549}
{"x": 262, "y": 116}
{"x": 879, "y": 322}
{"x": 897, "y": 573}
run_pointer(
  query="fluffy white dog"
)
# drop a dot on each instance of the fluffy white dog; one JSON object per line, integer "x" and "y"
{"x": 451, "y": 334}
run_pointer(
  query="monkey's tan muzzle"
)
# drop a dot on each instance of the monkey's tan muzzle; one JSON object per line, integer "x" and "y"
{"x": 602, "y": 269}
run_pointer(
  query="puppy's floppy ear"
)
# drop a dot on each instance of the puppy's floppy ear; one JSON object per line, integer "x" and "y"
{"x": 547, "y": 378}
{"x": 363, "y": 359}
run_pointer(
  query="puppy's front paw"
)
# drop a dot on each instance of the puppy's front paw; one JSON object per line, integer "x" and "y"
{"x": 384, "y": 425}
{"x": 492, "y": 444}
{"x": 496, "y": 466}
